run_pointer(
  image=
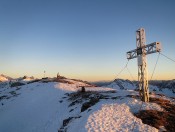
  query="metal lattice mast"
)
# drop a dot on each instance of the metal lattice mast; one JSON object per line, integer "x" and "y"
{"x": 140, "y": 53}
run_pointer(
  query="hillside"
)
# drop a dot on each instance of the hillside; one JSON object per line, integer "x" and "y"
{"x": 4, "y": 78}
{"x": 58, "y": 105}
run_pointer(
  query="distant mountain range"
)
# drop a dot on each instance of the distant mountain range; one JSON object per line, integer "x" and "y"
{"x": 102, "y": 83}
{"x": 125, "y": 84}
{"x": 4, "y": 78}
{"x": 161, "y": 84}
{"x": 120, "y": 83}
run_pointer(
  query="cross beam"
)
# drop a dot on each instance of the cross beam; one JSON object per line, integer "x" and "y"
{"x": 150, "y": 48}
{"x": 140, "y": 53}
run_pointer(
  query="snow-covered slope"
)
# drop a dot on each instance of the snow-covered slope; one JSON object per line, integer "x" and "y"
{"x": 47, "y": 106}
{"x": 120, "y": 84}
{"x": 35, "y": 107}
{"x": 25, "y": 79}
{"x": 164, "y": 86}
{"x": 4, "y": 78}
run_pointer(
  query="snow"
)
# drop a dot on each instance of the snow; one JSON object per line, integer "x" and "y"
{"x": 30, "y": 111}
{"x": 3, "y": 79}
{"x": 28, "y": 79}
{"x": 135, "y": 105}
{"x": 74, "y": 87}
{"x": 115, "y": 118}
{"x": 37, "y": 108}
{"x": 42, "y": 107}
{"x": 119, "y": 84}
{"x": 165, "y": 91}
{"x": 78, "y": 83}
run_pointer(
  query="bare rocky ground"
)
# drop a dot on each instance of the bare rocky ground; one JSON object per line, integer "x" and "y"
{"x": 159, "y": 118}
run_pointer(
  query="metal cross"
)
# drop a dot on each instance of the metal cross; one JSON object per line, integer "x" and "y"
{"x": 140, "y": 53}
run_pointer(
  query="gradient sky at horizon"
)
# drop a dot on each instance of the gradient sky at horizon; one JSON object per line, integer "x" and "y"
{"x": 83, "y": 39}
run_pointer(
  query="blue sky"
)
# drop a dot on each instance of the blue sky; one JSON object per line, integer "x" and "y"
{"x": 85, "y": 39}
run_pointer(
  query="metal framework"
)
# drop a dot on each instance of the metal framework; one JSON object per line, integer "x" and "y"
{"x": 140, "y": 53}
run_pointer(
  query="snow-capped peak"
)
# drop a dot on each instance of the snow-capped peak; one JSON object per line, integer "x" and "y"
{"x": 4, "y": 78}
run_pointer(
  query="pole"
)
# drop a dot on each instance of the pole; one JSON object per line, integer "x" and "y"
{"x": 142, "y": 65}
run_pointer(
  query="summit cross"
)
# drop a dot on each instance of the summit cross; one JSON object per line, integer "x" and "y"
{"x": 140, "y": 53}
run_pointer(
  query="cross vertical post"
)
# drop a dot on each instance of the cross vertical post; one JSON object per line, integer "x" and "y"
{"x": 140, "y": 53}
{"x": 142, "y": 65}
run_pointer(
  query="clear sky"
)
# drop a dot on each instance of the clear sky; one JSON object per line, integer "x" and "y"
{"x": 85, "y": 39}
